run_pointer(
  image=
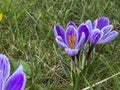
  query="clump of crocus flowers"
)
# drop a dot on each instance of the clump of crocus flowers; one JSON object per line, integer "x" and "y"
{"x": 16, "y": 81}
{"x": 74, "y": 39}
{"x": 100, "y": 32}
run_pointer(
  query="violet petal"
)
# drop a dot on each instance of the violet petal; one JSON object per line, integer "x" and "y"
{"x": 59, "y": 31}
{"x": 111, "y": 36}
{"x": 96, "y": 36}
{"x": 101, "y": 22}
{"x": 83, "y": 28}
{"x": 60, "y": 42}
{"x": 4, "y": 66}
{"x": 1, "y": 80}
{"x": 89, "y": 25}
{"x": 72, "y": 23}
{"x": 70, "y": 31}
{"x": 71, "y": 52}
{"x": 94, "y": 25}
{"x": 81, "y": 41}
{"x": 16, "y": 81}
{"x": 107, "y": 29}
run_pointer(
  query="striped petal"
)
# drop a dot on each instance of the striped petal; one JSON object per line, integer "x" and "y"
{"x": 70, "y": 32}
{"x": 72, "y": 23}
{"x": 16, "y": 81}
{"x": 1, "y": 80}
{"x": 60, "y": 42}
{"x": 4, "y": 67}
{"x": 83, "y": 28}
{"x": 95, "y": 37}
{"x": 89, "y": 25}
{"x": 102, "y": 22}
{"x": 106, "y": 29}
{"x": 71, "y": 52}
{"x": 112, "y": 35}
{"x": 81, "y": 41}
{"x": 59, "y": 31}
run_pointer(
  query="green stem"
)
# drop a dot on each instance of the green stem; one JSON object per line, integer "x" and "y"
{"x": 72, "y": 70}
{"x": 78, "y": 58}
{"x": 89, "y": 52}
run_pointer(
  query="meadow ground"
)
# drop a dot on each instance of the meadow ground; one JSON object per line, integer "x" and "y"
{"x": 26, "y": 34}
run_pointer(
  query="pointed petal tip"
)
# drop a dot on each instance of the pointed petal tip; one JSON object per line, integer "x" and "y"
{"x": 55, "y": 25}
{"x": 102, "y": 22}
{"x": 59, "y": 31}
{"x": 88, "y": 21}
{"x": 3, "y": 56}
{"x": 20, "y": 67}
{"x": 71, "y": 29}
{"x": 117, "y": 33}
{"x": 111, "y": 36}
{"x": 104, "y": 18}
{"x": 83, "y": 25}
{"x": 72, "y": 24}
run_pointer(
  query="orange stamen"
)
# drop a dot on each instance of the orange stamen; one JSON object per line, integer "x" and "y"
{"x": 72, "y": 41}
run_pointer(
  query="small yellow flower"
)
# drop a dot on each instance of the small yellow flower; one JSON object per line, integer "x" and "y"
{"x": 1, "y": 17}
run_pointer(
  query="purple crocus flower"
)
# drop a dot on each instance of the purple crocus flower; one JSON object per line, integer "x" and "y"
{"x": 100, "y": 31}
{"x": 16, "y": 81}
{"x": 73, "y": 39}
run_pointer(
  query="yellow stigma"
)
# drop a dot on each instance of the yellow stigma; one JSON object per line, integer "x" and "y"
{"x": 72, "y": 41}
{"x": 1, "y": 17}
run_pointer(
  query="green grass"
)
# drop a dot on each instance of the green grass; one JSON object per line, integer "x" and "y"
{"x": 26, "y": 34}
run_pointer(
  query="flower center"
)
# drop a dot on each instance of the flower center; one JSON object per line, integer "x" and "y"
{"x": 72, "y": 41}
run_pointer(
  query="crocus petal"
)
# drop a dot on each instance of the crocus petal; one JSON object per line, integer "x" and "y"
{"x": 1, "y": 84}
{"x": 94, "y": 25}
{"x": 1, "y": 80}
{"x": 112, "y": 35}
{"x": 101, "y": 22}
{"x": 72, "y": 23}
{"x": 89, "y": 25}
{"x": 4, "y": 67}
{"x": 16, "y": 81}
{"x": 70, "y": 31}
{"x": 71, "y": 52}
{"x": 106, "y": 29}
{"x": 60, "y": 42}
{"x": 96, "y": 36}
{"x": 59, "y": 31}
{"x": 83, "y": 28}
{"x": 81, "y": 41}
